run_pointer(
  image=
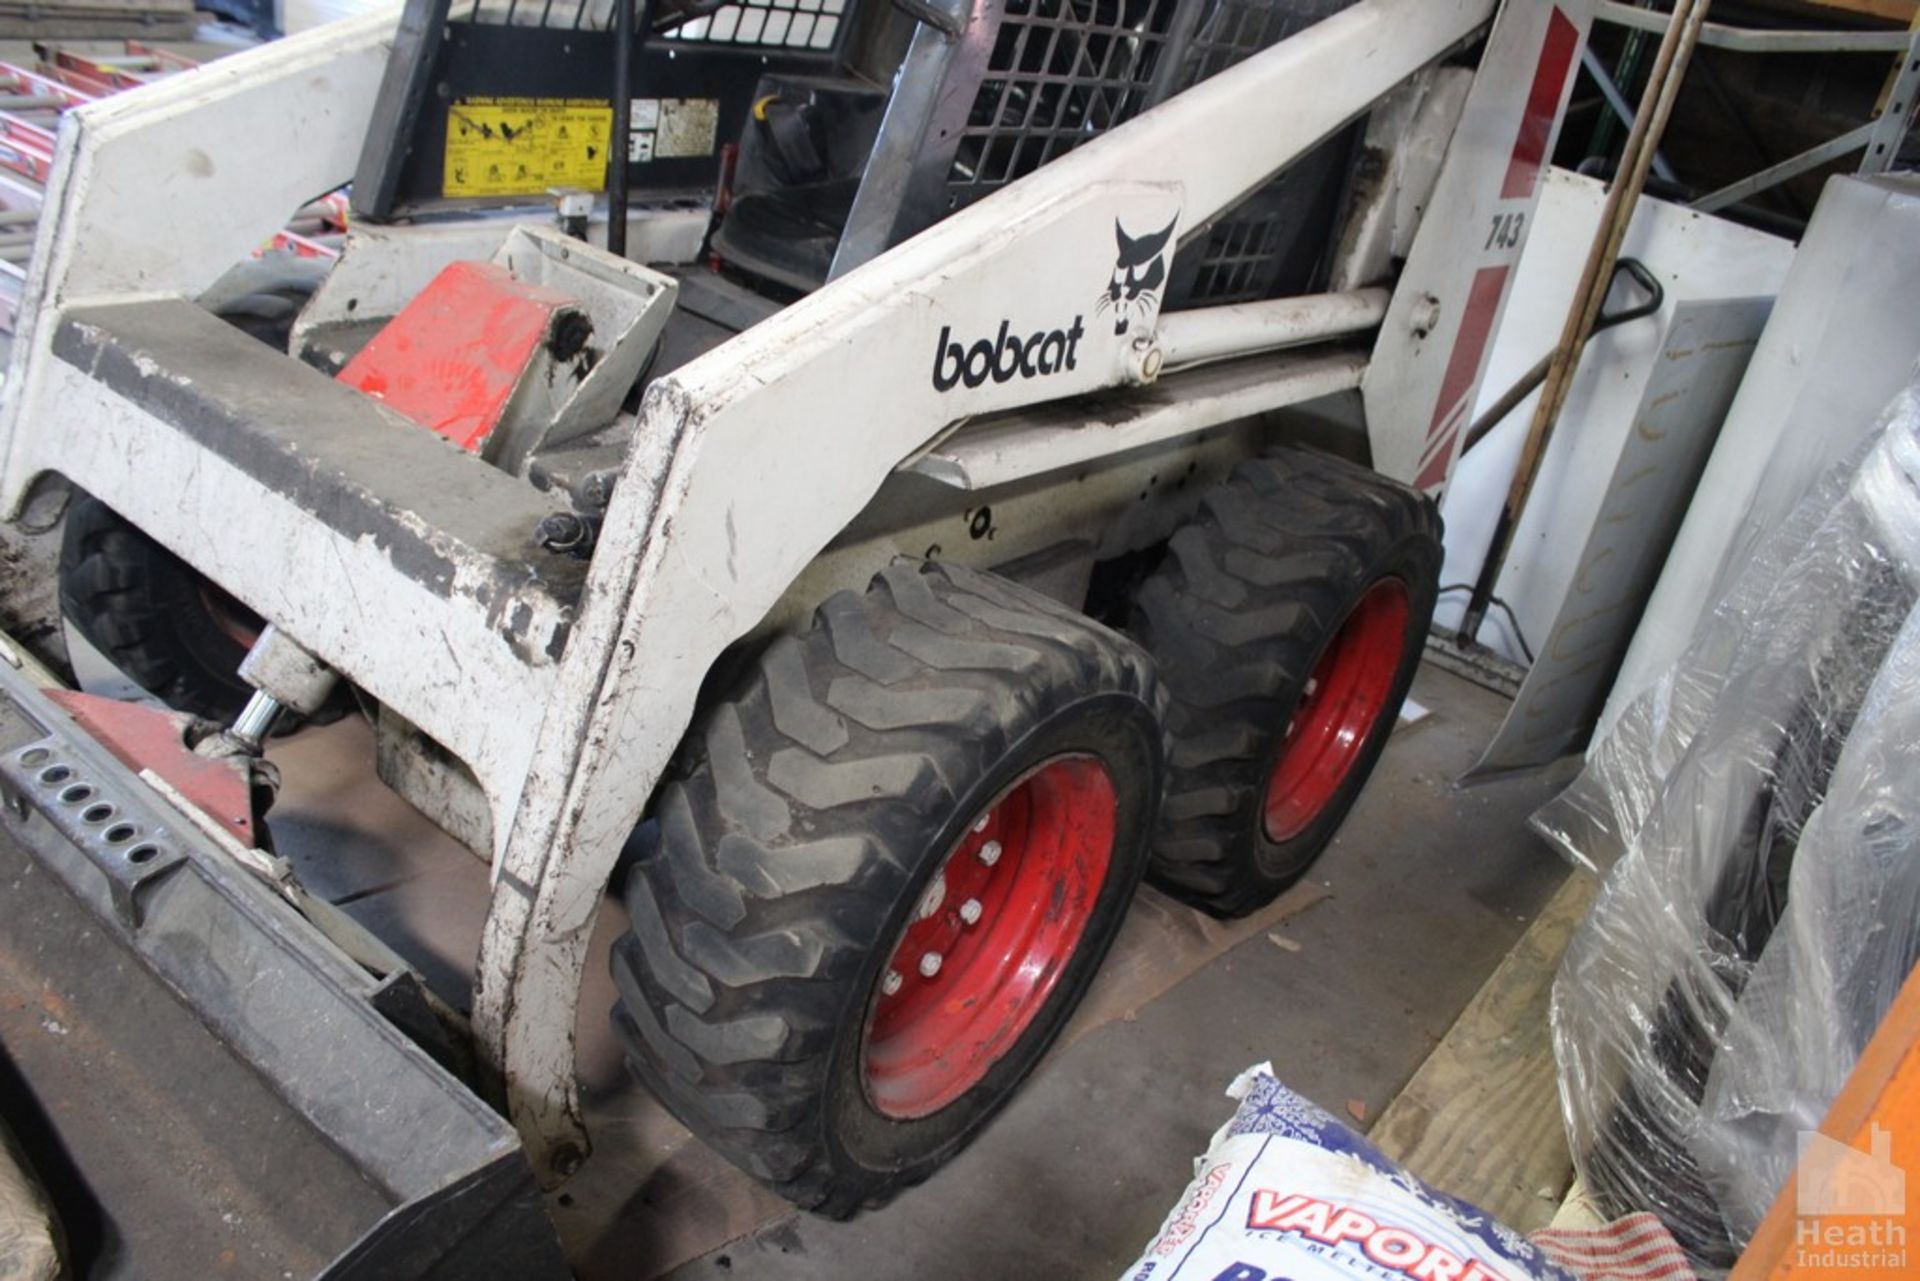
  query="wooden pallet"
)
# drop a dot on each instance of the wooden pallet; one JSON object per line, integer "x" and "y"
{"x": 1481, "y": 1118}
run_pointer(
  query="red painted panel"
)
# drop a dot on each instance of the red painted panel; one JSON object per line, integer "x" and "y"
{"x": 1543, "y": 104}
{"x": 1463, "y": 369}
{"x": 155, "y": 738}
{"x": 1435, "y": 469}
{"x": 451, "y": 360}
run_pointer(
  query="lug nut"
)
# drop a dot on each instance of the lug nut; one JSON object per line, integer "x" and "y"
{"x": 990, "y": 853}
{"x": 891, "y": 983}
{"x": 929, "y": 965}
{"x": 1313, "y": 684}
{"x": 930, "y": 901}
{"x": 980, "y": 824}
{"x": 970, "y": 911}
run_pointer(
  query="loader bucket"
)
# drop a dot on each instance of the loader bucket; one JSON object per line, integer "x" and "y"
{"x": 205, "y": 1084}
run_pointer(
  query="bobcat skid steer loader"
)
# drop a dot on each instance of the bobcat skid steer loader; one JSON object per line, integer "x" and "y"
{"x": 908, "y": 536}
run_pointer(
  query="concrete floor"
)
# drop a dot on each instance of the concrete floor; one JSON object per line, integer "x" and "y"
{"x": 1423, "y": 893}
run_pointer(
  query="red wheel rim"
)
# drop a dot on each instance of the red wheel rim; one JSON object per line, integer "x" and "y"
{"x": 1003, "y": 917}
{"x": 240, "y": 624}
{"x": 1343, "y": 700}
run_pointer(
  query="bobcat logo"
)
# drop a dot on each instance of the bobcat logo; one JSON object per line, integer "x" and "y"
{"x": 1138, "y": 274}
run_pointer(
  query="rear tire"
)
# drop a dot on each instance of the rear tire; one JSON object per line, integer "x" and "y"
{"x": 1297, "y": 568}
{"x": 827, "y": 826}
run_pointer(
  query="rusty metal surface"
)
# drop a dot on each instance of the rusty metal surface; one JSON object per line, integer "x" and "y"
{"x": 165, "y": 1156}
{"x": 143, "y": 737}
{"x": 209, "y": 1086}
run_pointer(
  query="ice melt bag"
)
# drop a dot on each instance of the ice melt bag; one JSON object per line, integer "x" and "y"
{"x": 1287, "y": 1193}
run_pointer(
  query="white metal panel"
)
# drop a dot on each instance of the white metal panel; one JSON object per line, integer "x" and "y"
{"x": 1407, "y": 137}
{"x": 1685, "y": 396}
{"x": 1450, "y": 297}
{"x": 1696, "y": 257}
{"x": 162, "y": 189}
{"x": 1841, "y": 343}
{"x": 1049, "y": 437}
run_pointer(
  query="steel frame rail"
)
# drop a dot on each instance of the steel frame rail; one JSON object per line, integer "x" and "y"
{"x": 1878, "y": 140}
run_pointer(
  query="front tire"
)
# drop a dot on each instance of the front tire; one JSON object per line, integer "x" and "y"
{"x": 885, "y": 872}
{"x": 1287, "y": 620}
{"x": 169, "y": 628}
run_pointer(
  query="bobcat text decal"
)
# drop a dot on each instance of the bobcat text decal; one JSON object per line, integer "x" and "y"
{"x": 1004, "y": 356}
{"x": 1131, "y": 293}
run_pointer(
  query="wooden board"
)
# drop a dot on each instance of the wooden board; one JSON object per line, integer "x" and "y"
{"x": 1900, "y": 11}
{"x": 1892, "y": 10}
{"x": 1163, "y": 943}
{"x": 1481, "y": 1118}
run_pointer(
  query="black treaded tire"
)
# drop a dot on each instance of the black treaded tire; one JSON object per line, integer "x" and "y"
{"x": 149, "y": 612}
{"x": 1238, "y": 614}
{"x": 807, "y": 815}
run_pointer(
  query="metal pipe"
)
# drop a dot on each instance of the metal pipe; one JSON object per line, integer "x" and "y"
{"x": 1244, "y": 329}
{"x": 256, "y": 719}
{"x": 1600, "y": 145}
{"x": 1774, "y": 175}
{"x": 617, "y": 147}
{"x": 1616, "y": 100}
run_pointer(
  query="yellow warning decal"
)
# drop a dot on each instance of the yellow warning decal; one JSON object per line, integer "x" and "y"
{"x": 522, "y": 146}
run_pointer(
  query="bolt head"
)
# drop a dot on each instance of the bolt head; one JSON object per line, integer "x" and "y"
{"x": 980, "y": 824}
{"x": 891, "y": 983}
{"x": 929, "y": 965}
{"x": 561, "y": 532}
{"x": 990, "y": 853}
{"x": 1425, "y": 315}
{"x": 930, "y": 901}
{"x": 971, "y": 911}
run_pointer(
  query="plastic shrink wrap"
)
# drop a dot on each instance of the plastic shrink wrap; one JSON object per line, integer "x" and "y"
{"x": 1757, "y": 815}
